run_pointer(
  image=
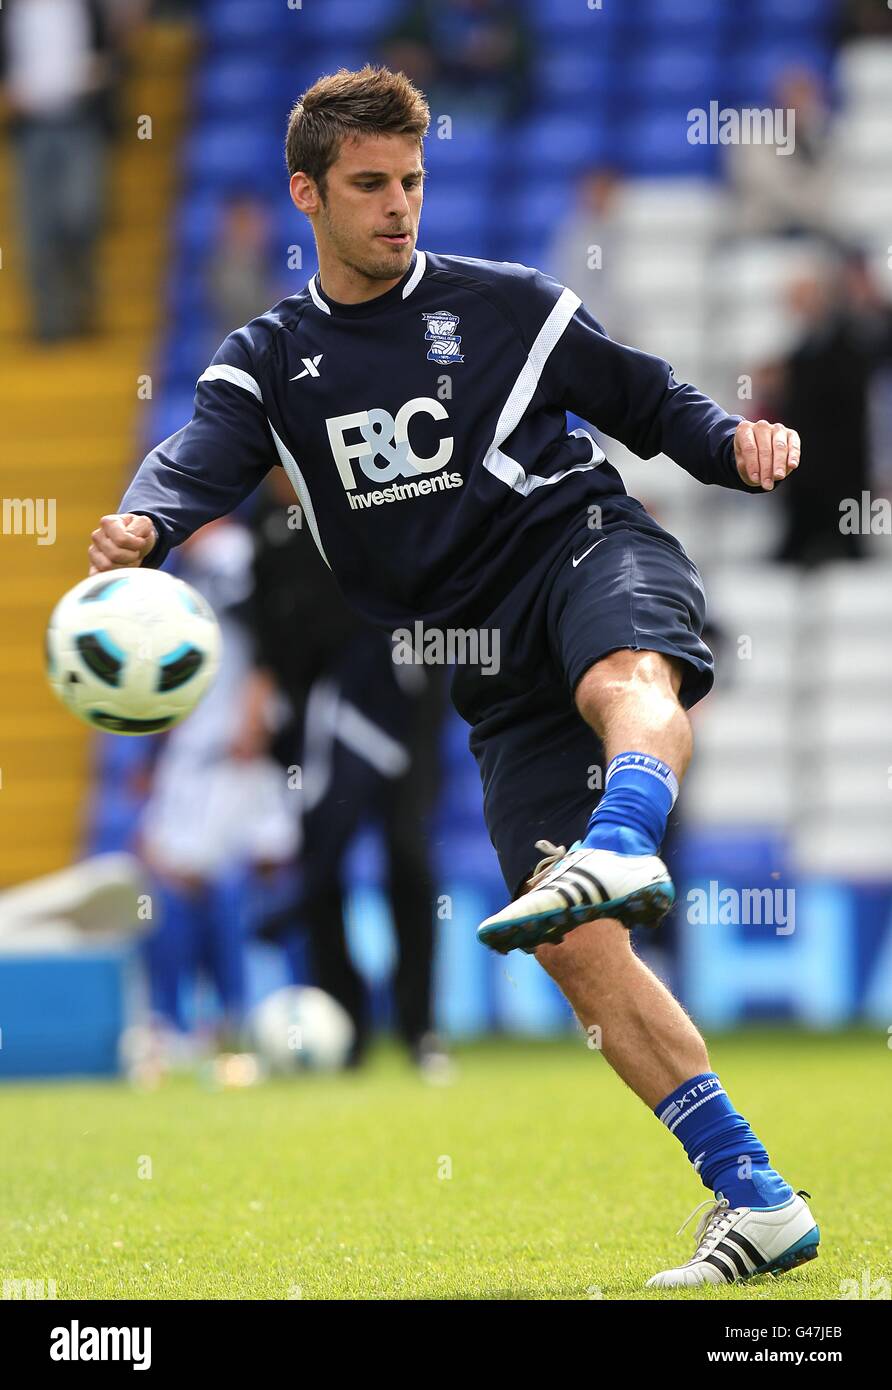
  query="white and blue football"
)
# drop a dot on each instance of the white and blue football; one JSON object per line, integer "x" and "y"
{"x": 132, "y": 651}
{"x": 301, "y": 1028}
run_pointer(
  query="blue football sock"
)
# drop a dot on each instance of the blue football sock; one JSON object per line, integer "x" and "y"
{"x": 630, "y": 818}
{"x": 720, "y": 1144}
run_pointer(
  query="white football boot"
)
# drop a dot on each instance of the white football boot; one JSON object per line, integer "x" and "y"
{"x": 568, "y": 888}
{"x": 734, "y": 1243}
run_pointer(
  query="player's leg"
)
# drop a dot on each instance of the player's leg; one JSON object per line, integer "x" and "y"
{"x": 643, "y": 1032}
{"x": 624, "y": 626}
{"x": 631, "y": 700}
{"x": 536, "y": 758}
{"x": 756, "y": 1222}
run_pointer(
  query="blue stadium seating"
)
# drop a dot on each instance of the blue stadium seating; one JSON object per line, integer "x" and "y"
{"x": 235, "y": 155}
{"x": 805, "y": 17}
{"x": 265, "y": 89}
{"x": 535, "y": 211}
{"x": 655, "y": 145}
{"x": 559, "y": 144}
{"x": 754, "y": 68}
{"x": 677, "y": 77}
{"x": 576, "y": 21}
{"x": 671, "y": 21}
{"x": 173, "y": 410}
{"x": 460, "y": 215}
{"x": 475, "y": 146}
{"x": 529, "y": 250}
{"x": 293, "y": 230}
{"x": 362, "y": 20}
{"x": 198, "y": 221}
{"x": 250, "y": 75}
{"x": 567, "y": 75}
{"x": 188, "y": 355}
{"x": 259, "y": 24}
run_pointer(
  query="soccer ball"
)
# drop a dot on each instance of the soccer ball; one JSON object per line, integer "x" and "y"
{"x": 132, "y": 651}
{"x": 300, "y": 1028}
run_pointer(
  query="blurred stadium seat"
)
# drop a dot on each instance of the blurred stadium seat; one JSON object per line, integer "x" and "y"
{"x": 864, "y": 74}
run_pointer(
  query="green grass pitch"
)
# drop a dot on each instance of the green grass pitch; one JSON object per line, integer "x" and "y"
{"x": 536, "y": 1175}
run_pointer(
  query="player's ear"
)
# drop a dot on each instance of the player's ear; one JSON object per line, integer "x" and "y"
{"x": 304, "y": 193}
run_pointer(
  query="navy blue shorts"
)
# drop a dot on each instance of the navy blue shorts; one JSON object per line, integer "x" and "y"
{"x": 629, "y": 585}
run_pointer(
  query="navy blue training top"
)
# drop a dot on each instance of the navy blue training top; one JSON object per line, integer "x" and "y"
{"x": 425, "y": 433}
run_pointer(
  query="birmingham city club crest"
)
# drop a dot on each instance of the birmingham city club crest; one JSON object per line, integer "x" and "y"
{"x": 444, "y": 341}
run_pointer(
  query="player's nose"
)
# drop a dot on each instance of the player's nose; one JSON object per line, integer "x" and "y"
{"x": 397, "y": 204}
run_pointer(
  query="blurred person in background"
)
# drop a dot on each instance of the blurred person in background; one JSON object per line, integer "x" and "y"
{"x": 365, "y": 732}
{"x": 865, "y": 19}
{"x": 213, "y": 814}
{"x": 823, "y": 390}
{"x": 469, "y": 54}
{"x": 239, "y": 281}
{"x": 583, "y": 254}
{"x": 126, "y": 19}
{"x": 58, "y": 65}
{"x": 791, "y": 193}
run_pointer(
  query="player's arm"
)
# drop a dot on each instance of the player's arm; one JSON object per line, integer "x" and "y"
{"x": 202, "y": 472}
{"x": 634, "y": 397}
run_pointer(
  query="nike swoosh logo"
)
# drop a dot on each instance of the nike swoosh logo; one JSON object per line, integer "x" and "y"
{"x": 577, "y": 558}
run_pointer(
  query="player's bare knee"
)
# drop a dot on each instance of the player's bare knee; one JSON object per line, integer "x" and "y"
{"x": 624, "y": 675}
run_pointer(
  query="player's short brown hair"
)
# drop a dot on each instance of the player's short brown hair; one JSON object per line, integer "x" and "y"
{"x": 371, "y": 101}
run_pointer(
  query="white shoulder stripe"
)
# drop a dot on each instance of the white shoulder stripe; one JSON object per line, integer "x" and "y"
{"x": 235, "y": 375}
{"x": 507, "y": 469}
{"x": 411, "y": 283}
{"x": 315, "y": 295}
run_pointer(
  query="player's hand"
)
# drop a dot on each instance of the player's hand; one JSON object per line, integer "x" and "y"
{"x": 119, "y": 541}
{"x": 765, "y": 453}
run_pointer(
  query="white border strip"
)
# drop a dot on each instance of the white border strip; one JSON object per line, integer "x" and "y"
{"x": 314, "y": 294}
{"x": 298, "y": 482}
{"x": 501, "y": 465}
{"x": 414, "y": 278}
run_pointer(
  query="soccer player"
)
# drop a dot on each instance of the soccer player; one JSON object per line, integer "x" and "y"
{"x": 417, "y": 402}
